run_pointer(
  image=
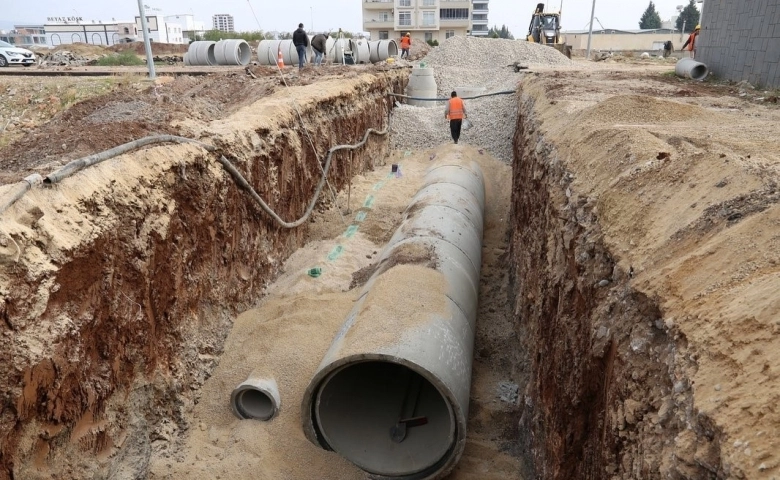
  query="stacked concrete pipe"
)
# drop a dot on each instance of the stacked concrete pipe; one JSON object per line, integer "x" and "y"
{"x": 381, "y": 50}
{"x": 394, "y": 400}
{"x": 224, "y": 52}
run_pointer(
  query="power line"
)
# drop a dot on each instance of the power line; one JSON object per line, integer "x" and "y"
{"x": 253, "y": 14}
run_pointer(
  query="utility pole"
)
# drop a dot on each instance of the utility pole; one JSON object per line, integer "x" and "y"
{"x": 590, "y": 31}
{"x": 147, "y": 44}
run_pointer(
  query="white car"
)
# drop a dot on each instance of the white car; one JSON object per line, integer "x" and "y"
{"x": 10, "y": 55}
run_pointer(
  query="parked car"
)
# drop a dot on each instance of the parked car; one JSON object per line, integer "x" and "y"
{"x": 10, "y": 55}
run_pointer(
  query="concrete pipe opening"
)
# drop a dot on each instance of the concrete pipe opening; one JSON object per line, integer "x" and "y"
{"x": 255, "y": 399}
{"x": 698, "y": 72}
{"x": 386, "y": 418}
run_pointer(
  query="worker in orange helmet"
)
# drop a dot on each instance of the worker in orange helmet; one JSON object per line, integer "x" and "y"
{"x": 455, "y": 113}
{"x": 406, "y": 42}
{"x": 691, "y": 42}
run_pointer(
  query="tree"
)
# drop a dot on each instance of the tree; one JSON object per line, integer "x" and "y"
{"x": 503, "y": 32}
{"x": 650, "y": 19}
{"x": 689, "y": 16}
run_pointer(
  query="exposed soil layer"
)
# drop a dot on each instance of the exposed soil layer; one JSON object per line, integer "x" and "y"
{"x": 119, "y": 286}
{"x": 644, "y": 264}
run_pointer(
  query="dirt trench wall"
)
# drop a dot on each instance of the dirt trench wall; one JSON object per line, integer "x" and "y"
{"x": 610, "y": 395}
{"x": 127, "y": 276}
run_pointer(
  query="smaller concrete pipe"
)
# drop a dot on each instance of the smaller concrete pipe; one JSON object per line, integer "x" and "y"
{"x": 256, "y": 398}
{"x": 690, "y": 68}
{"x": 232, "y": 52}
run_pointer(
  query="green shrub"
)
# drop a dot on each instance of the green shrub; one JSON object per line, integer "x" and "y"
{"x": 433, "y": 43}
{"x": 121, "y": 59}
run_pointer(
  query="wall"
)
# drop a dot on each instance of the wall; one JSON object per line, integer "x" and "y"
{"x": 624, "y": 41}
{"x": 741, "y": 41}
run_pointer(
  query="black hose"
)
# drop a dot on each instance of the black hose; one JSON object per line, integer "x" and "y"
{"x": 504, "y": 92}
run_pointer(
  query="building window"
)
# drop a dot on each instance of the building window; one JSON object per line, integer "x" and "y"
{"x": 454, "y": 14}
{"x": 428, "y": 36}
{"x": 429, "y": 19}
{"x": 405, "y": 18}
{"x": 404, "y": 3}
{"x": 429, "y": 3}
{"x": 449, "y": 33}
{"x": 383, "y": 35}
{"x": 385, "y": 17}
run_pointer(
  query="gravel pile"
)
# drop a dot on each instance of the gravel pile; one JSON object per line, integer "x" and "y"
{"x": 473, "y": 63}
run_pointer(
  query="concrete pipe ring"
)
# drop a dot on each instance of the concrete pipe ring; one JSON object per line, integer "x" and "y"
{"x": 387, "y": 49}
{"x": 256, "y": 399}
{"x": 204, "y": 53}
{"x": 690, "y": 68}
{"x": 373, "y": 51}
{"x": 391, "y": 394}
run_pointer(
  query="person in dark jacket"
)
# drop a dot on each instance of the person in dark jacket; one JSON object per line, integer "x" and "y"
{"x": 318, "y": 45}
{"x": 301, "y": 41}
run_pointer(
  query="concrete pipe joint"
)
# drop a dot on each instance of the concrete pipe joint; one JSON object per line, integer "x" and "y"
{"x": 690, "y": 68}
{"x": 256, "y": 398}
{"x": 201, "y": 53}
{"x": 391, "y": 394}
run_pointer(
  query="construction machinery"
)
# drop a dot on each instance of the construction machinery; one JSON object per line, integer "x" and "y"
{"x": 545, "y": 29}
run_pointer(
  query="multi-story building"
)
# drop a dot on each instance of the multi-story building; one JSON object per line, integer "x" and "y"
{"x": 479, "y": 18}
{"x": 425, "y": 19}
{"x": 191, "y": 28}
{"x": 223, "y": 22}
{"x": 25, "y": 36}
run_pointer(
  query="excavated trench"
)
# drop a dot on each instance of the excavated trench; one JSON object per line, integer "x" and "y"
{"x": 126, "y": 286}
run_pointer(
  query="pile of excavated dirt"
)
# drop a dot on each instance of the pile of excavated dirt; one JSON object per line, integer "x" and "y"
{"x": 158, "y": 48}
{"x": 476, "y": 53}
{"x": 648, "y": 301}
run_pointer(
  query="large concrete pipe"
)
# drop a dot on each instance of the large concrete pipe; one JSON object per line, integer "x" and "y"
{"x": 381, "y": 50}
{"x": 256, "y": 398}
{"x": 391, "y": 394}
{"x": 232, "y": 52}
{"x": 360, "y": 51}
{"x": 690, "y": 68}
{"x": 201, "y": 53}
{"x": 267, "y": 51}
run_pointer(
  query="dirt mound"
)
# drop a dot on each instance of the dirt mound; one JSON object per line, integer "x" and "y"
{"x": 157, "y": 48}
{"x": 492, "y": 52}
{"x": 81, "y": 49}
{"x": 638, "y": 109}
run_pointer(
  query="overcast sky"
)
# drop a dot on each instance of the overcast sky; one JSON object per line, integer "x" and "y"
{"x": 284, "y": 15}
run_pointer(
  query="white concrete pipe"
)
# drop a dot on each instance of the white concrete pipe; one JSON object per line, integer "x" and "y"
{"x": 360, "y": 51}
{"x": 232, "y": 52}
{"x": 391, "y": 394}
{"x": 256, "y": 398}
{"x": 267, "y": 51}
{"x": 690, "y": 68}
{"x": 381, "y": 50}
{"x": 422, "y": 84}
{"x": 201, "y": 53}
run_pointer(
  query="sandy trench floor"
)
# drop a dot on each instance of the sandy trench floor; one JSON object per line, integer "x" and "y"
{"x": 286, "y": 336}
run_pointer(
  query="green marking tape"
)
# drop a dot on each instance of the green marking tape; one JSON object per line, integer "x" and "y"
{"x": 336, "y": 252}
{"x": 360, "y": 216}
{"x": 407, "y": 153}
{"x": 378, "y": 186}
{"x": 352, "y": 230}
{"x": 369, "y": 201}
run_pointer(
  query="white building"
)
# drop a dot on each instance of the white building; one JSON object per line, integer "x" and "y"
{"x": 223, "y": 22}
{"x": 160, "y": 30}
{"x": 426, "y": 20}
{"x": 190, "y": 27}
{"x": 479, "y": 18}
{"x": 69, "y": 30}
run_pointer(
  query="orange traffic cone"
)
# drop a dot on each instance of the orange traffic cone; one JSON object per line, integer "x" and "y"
{"x": 279, "y": 59}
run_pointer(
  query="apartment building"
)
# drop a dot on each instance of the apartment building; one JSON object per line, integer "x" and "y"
{"x": 479, "y": 18}
{"x": 223, "y": 22}
{"x": 424, "y": 19}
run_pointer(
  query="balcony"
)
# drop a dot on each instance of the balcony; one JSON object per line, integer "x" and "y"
{"x": 479, "y": 12}
{"x": 455, "y": 4}
{"x": 378, "y": 4}
{"x": 374, "y": 23}
{"x": 479, "y": 21}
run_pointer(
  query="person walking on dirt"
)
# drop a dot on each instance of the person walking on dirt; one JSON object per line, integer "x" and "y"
{"x": 318, "y": 45}
{"x": 406, "y": 43}
{"x": 301, "y": 41}
{"x": 691, "y": 42}
{"x": 668, "y": 48}
{"x": 455, "y": 113}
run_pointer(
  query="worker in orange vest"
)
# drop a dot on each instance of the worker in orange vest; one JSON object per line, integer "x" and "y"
{"x": 406, "y": 42}
{"x": 455, "y": 113}
{"x": 691, "y": 42}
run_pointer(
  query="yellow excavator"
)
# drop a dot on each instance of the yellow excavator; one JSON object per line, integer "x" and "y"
{"x": 545, "y": 29}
